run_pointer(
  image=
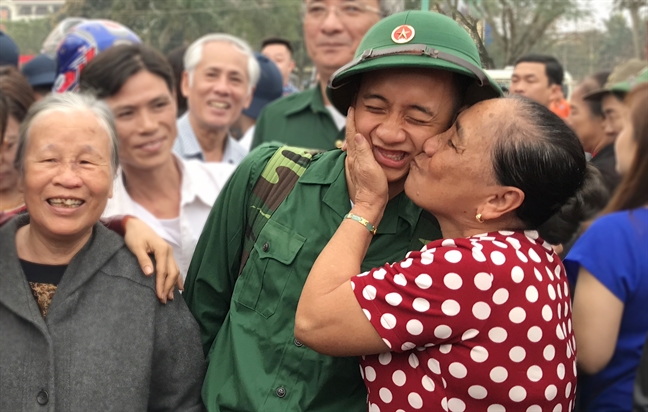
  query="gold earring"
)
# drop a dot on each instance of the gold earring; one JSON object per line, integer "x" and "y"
{"x": 479, "y": 218}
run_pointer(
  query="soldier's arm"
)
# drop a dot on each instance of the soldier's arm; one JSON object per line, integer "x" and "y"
{"x": 216, "y": 261}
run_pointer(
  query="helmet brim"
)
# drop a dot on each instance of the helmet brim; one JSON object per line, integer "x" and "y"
{"x": 344, "y": 84}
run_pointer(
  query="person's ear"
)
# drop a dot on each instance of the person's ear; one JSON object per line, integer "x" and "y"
{"x": 110, "y": 190}
{"x": 556, "y": 90}
{"x": 248, "y": 99}
{"x": 184, "y": 86}
{"x": 503, "y": 202}
{"x": 21, "y": 182}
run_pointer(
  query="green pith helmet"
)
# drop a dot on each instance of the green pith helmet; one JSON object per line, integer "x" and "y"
{"x": 618, "y": 82}
{"x": 624, "y": 87}
{"x": 414, "y": 39}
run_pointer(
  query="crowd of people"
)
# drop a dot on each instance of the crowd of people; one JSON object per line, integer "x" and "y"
{"x": 404, "y": 235}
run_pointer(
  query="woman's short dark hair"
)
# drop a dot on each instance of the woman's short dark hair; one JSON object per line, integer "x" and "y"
{"x": 176, "y": 60}
{"x": 107, "y": 73}
{"x": 540, "y": 155}
{"x": 17, "y": 90}
{"x": 4, "y": 115}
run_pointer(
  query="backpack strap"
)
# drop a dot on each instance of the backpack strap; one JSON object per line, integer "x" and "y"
{"x": 277, "y": 180}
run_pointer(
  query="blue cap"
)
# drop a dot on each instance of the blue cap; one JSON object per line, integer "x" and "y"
{"x": 269, "y": 87}
{"x": 8, "y": 50}
{"x": 40, "y": 71}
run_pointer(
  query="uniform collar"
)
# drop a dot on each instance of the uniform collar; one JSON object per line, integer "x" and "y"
{"x": 322, "y": 172}
{"x": 311, "y": 98}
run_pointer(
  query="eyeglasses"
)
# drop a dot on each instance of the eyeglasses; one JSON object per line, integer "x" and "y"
{"x": 346, "y": 10}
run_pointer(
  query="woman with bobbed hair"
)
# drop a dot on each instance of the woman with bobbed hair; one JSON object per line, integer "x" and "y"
{"x": 82, "y": 329}
{"x": 609, "y": 267}
{"x": 479, "y": 320}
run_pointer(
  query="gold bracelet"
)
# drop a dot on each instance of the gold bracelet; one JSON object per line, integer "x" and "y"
{"x": 364, "y": 222}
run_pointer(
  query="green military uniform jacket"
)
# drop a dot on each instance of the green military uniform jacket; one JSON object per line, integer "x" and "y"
{"x": 247, "y": 321}
{"x": 301, "y": 120}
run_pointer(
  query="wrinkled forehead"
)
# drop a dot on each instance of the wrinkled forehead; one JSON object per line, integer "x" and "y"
{"x": 68, "y": 128}
{"x": 223, "y": 51}
{"x": 487, "y": 118}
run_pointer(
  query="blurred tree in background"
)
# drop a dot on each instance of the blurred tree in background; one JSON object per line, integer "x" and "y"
{"x": 28, "y": 35}
{"x": 503, "y": 30}
{"x": 458, "y": 11}
{"x": 616, "y": 45}
{"x": 167, "y": 24}
{"x": 634, "y": 8}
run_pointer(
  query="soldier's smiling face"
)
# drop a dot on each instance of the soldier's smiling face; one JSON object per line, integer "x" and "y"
{"x": 397, "y": 110}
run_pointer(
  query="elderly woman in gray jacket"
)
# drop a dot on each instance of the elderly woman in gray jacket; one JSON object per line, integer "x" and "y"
{"x": 82, "y": 329}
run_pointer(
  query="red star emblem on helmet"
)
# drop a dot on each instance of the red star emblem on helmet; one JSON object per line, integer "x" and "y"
{"x": 403, "y": 34}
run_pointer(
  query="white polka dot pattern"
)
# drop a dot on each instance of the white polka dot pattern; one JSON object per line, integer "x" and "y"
{"x": 478, "y": 324}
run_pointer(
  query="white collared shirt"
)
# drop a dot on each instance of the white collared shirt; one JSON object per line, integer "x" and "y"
{"x": 246, "y": 140}
{"x": 188, "y": 147}
{"x": 201, "y": 184}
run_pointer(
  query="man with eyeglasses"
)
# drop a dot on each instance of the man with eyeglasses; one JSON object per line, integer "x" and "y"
{"x": 332, "y": 31}
{"x": 407, "y": 81}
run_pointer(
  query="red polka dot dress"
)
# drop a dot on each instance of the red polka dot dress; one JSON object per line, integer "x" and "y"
{"x": 475, "y": 324}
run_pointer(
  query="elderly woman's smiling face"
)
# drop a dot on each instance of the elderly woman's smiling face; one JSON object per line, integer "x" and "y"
{"x": 67, "y": 177}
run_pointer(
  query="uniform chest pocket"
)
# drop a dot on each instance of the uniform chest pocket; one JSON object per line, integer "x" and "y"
{"x": 271, "y": 264}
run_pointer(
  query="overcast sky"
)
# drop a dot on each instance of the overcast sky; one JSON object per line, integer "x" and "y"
{"x": 601, "y": 10}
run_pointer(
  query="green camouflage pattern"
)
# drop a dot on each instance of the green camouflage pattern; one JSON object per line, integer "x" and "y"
{"x": 274, "y": 185}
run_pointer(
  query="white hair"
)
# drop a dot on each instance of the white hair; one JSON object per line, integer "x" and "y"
{"x": 69, "y": 102}
{"x": 193, "y": 55}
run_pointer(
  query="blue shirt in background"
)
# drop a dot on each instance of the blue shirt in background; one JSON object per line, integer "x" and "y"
{"x": 615, "y": 251}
